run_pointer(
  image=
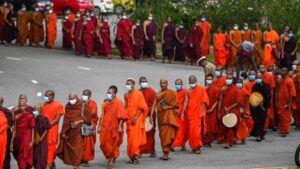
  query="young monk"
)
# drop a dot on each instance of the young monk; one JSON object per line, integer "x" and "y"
{"x": 235, "y": 42}
{"x": 123, "y": 38}
{"x": 137, "y": 40}
{"x": 77, "y": 34}
{"x": 51, "y": 20}
{"x": 3, "y": 137}
{"x": 36, "y": 28}
{"x": 168, "y": 38}
{"x": 104, "y": 45}
{"x": 89, "y": 36}
{"x": 205, "y": 27}
{"x": 67, "y": 29}
{"x": 220, "y": 53}
{"x": 23, "y": 18}
{"x": 271, "y": 39}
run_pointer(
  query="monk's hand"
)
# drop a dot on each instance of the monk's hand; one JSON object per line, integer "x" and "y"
{"x": 226, "y": 109}
{"x": 219, "y": 116}
{"x": 11, "y": 147}
{"x": 133, "y": 121}
{"x": 151, "y": 119}
{"x": 154, "y": 38}
{"x": 147, "y": 38}
{"x": 119, "y": 129}
{"x": 133, "y": 43}
{"x": 287, "y": 107}
{"x": 30, "y": 144}
{"x": 191, "y": 45}
{"x": 163, "y": 42}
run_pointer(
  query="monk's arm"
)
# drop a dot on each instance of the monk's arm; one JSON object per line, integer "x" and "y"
{"x": 153, "y": 108}
{"x": 186, "y": 101}
{"x": 230, "y": 39}
{"x": 32, "y": 137}
{"x": 203, "y": 108}
{"x": 247, "y": 103}
{"x": 232, "y": 106}
{"x": 145, "y": 30}
{"x": 56, "y": 120}
{"x": 295, "y": 50}
{"x": 219, "y": 105}
{"x": 120, "y": 126}
{"x": 163, "y": 34}
{"x": 213, "y": 107}
{"x": 176, "y": 35}
{"x": 44, "y": 134}
{"x": 132, "y": 35}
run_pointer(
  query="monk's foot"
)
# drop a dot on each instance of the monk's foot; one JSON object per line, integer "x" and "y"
{"x": 208, "y": 145}
{"x": 130, "y": 161}
{"x": 110, "y": 164}
{"x": 243, "y": 142}
{"x": 135, "y": 161}
{"x": 274, "y": 129}
{"x": 226, "y": 146}
{"x": 172, "y": 149}
{"x": 197, "y": 151}
{"x": 139, "y": 156}
{"x": 152, "y": 155}
{"x": 164, "y": 158}
{"x": 183, "y": 148}
{"x": 283, "y": 135}
{"x": 258, "y": 139}
{"x": 85, "y": 164}
{"x": 114, "y": 160}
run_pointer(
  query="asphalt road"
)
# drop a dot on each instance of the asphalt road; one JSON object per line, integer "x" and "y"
{"x": 34, "y": 70}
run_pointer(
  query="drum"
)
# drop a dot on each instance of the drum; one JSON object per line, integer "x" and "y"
{"x": 256, "y": 99}
{"x": 229, "y": 120}
{"x": 148, "y": 125}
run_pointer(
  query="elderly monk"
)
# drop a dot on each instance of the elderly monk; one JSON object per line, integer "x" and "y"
{"x": 220, "y": 53}
{"x": 168, "y": 38}
{"x": 166, "y": 105}
{"x": 23, "y": 19}
{"x": 137, "y": 37}
{"x": 36, "y": 28}
{"x": 53, "y": 110}
{"x": 90, "y": 141}
{"x": 23, "y": 133}
{"x": 271, "y": 39}
{"x": 180, "y": 35}
{"x": 149, "y": 96}
{"x": 3, "y": 138}
{"x": 259, "y": 113}
{"x": 104, "y": 46}
{"x": 213, "y": 93}
{"x": 220, "y": 80}
{"x": 77, "y": 33}
{"x": 194, "y": 41}
{"x": 51, "y": 24}
{"x": 181, "y": 117}
{"x": 230, "y": 102}
{"x": 8, "y": 115}
{"x": 195, "y": 104}
{"x": 42, "y": 125}
{"x": 111, "y": 126}
{"x": 286, "y": 93}
{"x": 246, "y": 33}
{"x": 123, "y": 39}
{"x": 205, "y": 28}
{"x": 67, "y": 30}
{"x": 252, "y": 81}
{"x": 256, "y": 38}
{"x": 89, "y": 36}
{"x": 297, "y": 98}
{"x": 70, "y": 149}
{"x": 235, "y": 42}
{"x": 136, "y": 109}
{"x": 150, "y": 31}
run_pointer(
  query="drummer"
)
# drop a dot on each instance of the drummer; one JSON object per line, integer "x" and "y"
{"x": 230, "y": 102}
{"x": 259, "y": 113}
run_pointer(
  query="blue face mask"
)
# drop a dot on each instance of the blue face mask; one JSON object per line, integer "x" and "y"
{"x": 239, "y": 85}
{"x": 192, "y": 85}
{"x": 35, "y": 113}
{"x": 109, "y": 96}
{"x": 218, "y": 73}
{"x": 229, "y": 82}
{"x": 46, "y": 99}
{"x": 208, "y": 82}
{"x": 251, "y": 77}
{"x": 178, "y": 87}
{"x": 259, "y": 81}
{"x": 144, "y": 85}
{"x": 291, "y": 35}
{"x": 128, "y": 87}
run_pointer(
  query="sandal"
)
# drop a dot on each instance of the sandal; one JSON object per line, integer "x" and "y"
{"x": 164, "y": 158}
{"x": 135, "y": 162}
{"x": 130, "y": 161}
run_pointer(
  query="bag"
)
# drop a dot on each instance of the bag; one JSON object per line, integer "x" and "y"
{"x": 86, "y": 129}
{"x": 275, "y": 53}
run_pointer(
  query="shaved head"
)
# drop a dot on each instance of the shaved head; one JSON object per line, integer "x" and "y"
{"x": 72, "y": 96}
{"x": 163, "y": 84}
{"x": 87, "y": 92}
{"x": 193, "y": 77}
{"x": 178, "y": 82}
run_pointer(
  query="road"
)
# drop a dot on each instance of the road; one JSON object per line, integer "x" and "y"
{"x": 34, "y": 70}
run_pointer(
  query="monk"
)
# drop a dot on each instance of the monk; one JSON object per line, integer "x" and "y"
{"x": 111, "y": 126}
{"x": 150, "y": 31}
{"x": 227, "y": 44}
{"x": 67, "y": 29}
{"x": 297, "y": 98}
{"x": 104, "y": 46}
{"x": 3, "y": 137}
{"x": 220, "y": 53}
{"x": 23, "y": 134}
{"x": 166, "y": 105}
{"x": 205, "y": 28}
{"x": 53, "y": 110}
{"x": 195, "y": 104}
{"x": 42, "y": 125}
{"x": 259, "y": 113}
{"x": 230, "y": 102}
{"x": 213, "y": 93}
{"x": 137, "y": 37}
{"x": 193, "y": 40}
{"x": 150, "y": 98}
{"x": 2, "y": 7}
{"x": 90, "y": 141}
{"x": 136, "y": 110}
{"x": 256, "y": 38}
{"x": 180, "y": 36}
{"x": 36, "y": 28}
{"x": 70, "y": 149}
{"x": 51, "y": 21}
{"x": 123, "y": 39}
{"x": 252, "y": 81}
{"x": 9, "y": 25}
{"x": 77, "y": 33}
{"x": 89, "y": 36}
{"x": 168, "y": 38}
{"x": 289, "y": 49}
{"x": 271, "y": 39}
{"x": 23, "y": 19}
{"x": 220, "y": 80}
{"x": 286, "y": 93}
{"x": 235, "y": 40}
{"x": 8, "y": 114}
{"x": 246, "y": 33}
{"x": 182, "y": 120}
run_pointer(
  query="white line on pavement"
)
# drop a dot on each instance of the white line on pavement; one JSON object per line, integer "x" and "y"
{"x": 83, "y": 68}
{"x": 34, "y": 81}
{"x": 12, "y": 58}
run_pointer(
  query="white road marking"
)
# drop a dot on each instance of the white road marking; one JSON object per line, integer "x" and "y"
{"x": 12, "y": 58}
{"x": 39, "y": 94}
{"x": 83, "y": 68}
{"x": 34, "y": 81}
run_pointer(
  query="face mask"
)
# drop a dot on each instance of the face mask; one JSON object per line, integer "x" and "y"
{"x": 37, "y": 9}
{"x": 279, "y": 77}
{"x": 181, "y": 26}
{"x": 128, "y": 87}
{"x": 66, "y": 17}
{"x": 109, "y": 96}
{"x": 271, "y": 73}
{"x": 137, "y": 24}
{"x": 72, "y": 102}
{"x": 259, "y": 81}
{"x": 150, "y": 18}
{"x": 46, "y": 99}
{"x": 77, "y": 15}
{"x": 239, "y": 85}
{"x": 203, "y": 19}
{"x": 294, "y": 67}
{"x": 85, "y": 98}
{"x": 50, "y": 11}
{"x": 229, "y": 82}
{"x": 35, "y": 113}
{"x": 218, "y": 73}
{"x": 192, "y": 85}
{"x": 236, "y": 28}
{"x": 144, "y": 85}
{"x": 291, "y": 35}
{"x": 23, "y": 9}
{"x": 245, "y": 28}
{"x": 92, "y": 14}
{"x": 178, "y": 87}
{"x": 209, "y": 82}
{"x": 251, "y": 77}
{"x": 105, "y": 20}
{"x": 88, "y": 19}
{"x": 124, "y": 17}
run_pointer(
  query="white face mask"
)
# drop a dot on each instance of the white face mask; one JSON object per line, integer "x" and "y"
{"x": 37, "y": 9}
{"x": 72, "y": 102}
{"x": 66, "y": 17}
{"x": 137, "y": 24}
{"x": 203, "y": 19}
{"x": 35, "y": 113}
{"x": 271, "y": 73}
{"x": 128, "y": 87}
{"x": 109, "y": 96}
{"x": 85, "y": 98}
{"x": 77, "y": 15}
{"x": 294, "y": 67}
{"x": 124, "y": 17}
{"x": 50, "y": 11}
{"x": 144, "y": 85}
{"x": 235, "y": 27}
{"x": 150, "y": 18}
{"x": 23, "y": 9}
{"x": 246, "y": 28}
{"x": 92, "y": 14}
{"x": 105, "y": 20}
{"x": 180, "y": 26}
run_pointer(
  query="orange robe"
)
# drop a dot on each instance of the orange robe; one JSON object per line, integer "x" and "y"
{"x": 136, "y": 134}
{"x": 213, "y": 93}
{"x": 249, "y": 86}
{"x": 297, "y": 99}
{"x": 286, "y": 89}
{"x": 237, "y": 39}
{"x": 257, "y": 52}
{"x": 36, "y": 31}
{"x": 90, "y": 141}
{"x": 23, "y": 20}
{"x": 270, "y": 36}
{"x": 51, "y": 29}
{"x": 246, "y": 35}
{"x": 205, "y": 28}
{"x": 220, "y": 82}
{"x": 196, "y": 116}
{"x": 3, "y": 137}
{"x": 110, "y": 138}
{"x": 51, "y": 110}
{"x": 269, "y": 80}
{"x": 182, "y": 134}
{"x": 220, "y": 53}
{"x": 149, "y": 95}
